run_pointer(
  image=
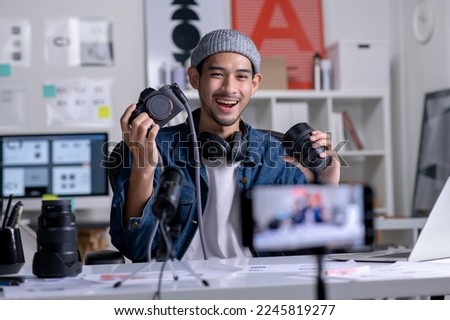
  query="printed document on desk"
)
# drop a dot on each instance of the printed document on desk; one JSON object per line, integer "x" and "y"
{"x": 44, "y": 288}
{"x": 400, "y": 270}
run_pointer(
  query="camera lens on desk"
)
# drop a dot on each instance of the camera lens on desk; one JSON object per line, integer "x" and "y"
{"x": 57, "y": 253}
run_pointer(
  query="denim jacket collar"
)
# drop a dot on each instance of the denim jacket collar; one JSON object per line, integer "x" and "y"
{"x": 183, "y": 151}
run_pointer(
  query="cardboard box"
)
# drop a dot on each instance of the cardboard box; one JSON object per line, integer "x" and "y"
{"x": 360, "y": 65}
{"x": 274, "y": 73}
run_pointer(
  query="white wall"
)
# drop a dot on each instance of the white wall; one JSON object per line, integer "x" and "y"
{"x": 421, "y": 68}
{"x": 128, "y": 71}
{"x": 415, "y": 68}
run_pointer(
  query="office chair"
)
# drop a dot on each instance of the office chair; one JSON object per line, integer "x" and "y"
{"x": 115, "y": 160}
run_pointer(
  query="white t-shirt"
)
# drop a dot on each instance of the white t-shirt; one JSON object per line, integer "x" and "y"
{"x": 222, "y": 216}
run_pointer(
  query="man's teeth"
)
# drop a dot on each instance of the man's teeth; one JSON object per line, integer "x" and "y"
{"x": 227, "y": 102}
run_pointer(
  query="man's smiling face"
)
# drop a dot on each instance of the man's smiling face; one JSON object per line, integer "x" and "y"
{"x": 225, "y": 87}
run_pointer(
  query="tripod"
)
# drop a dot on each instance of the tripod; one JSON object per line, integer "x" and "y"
{"x": 319, "y": 252}
{"x": 165, "y": 255}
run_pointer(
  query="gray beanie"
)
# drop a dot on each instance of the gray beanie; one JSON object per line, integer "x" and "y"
{"x": 226, "y": 40}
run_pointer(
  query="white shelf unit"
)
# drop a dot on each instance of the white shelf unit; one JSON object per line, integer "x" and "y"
{"x": 280, "y": 109}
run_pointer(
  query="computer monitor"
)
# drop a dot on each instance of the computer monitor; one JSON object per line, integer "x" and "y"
{"x": 433, "y": 165}
{"x": 66, "y": 165}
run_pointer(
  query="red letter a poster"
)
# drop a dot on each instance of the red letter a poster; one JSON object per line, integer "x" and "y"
{"x": 288, "y": 28}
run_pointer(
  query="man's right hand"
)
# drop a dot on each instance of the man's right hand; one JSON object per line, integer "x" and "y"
{"x": 140, "y": 139}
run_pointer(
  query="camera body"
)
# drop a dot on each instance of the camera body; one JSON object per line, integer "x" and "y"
{"x": 161, "y": 105}
{"x": 297, "y": 144}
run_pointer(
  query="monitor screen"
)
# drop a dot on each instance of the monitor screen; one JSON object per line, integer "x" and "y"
{"x": 66, "y": 165}
{"x": 304, "y": 217}
{"x": 433, "y": 165}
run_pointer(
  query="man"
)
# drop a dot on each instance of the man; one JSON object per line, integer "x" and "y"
{"x": 225, "y": 70}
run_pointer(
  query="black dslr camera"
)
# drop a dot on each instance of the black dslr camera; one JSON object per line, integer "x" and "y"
{"x": 161, "y": 105}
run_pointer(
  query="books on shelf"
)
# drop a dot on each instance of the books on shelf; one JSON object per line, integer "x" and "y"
{"x": 344, "y": 130}
{"x": 337, "y": 131}
{"x": 350, "y": 130}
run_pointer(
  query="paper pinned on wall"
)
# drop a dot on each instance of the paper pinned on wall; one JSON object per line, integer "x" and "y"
{"x": 62, "y": 42}
{"x": 96, "y": 48}
{"x": 15, "y": 42}
{"x": 13, "y": 103}
{"x": 78, "y": 42}
{"x": 78, "y": 102}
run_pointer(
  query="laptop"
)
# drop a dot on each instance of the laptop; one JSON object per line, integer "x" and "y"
{"x": 433, "y": 242}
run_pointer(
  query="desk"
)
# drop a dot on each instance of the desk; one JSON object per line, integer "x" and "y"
{"x": 258, "y": 285}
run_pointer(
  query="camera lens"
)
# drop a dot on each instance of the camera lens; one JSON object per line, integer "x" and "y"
{"x": 57, "y": 254}
{"x": 159, "y": 107}
{"x": 297, "y": 144}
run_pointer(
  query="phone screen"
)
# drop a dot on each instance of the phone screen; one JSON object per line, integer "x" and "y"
{"x": 288, "y": 218}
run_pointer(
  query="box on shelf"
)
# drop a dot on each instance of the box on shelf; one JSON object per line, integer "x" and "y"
{"x": 274, "y": 73}
{"x": 360, "y": 64}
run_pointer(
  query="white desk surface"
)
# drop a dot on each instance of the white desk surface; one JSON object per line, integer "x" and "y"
{"x": 284, "y": 280}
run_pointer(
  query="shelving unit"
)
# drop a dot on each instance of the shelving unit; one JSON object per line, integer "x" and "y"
{"x": 280, "y": 109}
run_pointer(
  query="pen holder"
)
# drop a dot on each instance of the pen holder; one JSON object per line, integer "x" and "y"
{"x": 11, "y": 251}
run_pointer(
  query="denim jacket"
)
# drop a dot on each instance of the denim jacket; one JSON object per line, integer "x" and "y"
{"x": 263, "y": 165}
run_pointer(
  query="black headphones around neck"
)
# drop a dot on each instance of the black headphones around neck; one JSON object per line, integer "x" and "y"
{"x": 232, "y": 149}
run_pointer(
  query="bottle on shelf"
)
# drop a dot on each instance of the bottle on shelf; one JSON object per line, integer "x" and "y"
{"x": 317, "y": 72}
{"x": 326, "y": 74}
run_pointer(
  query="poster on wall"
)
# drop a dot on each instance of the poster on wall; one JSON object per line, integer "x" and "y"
{"x": 174, "y": 30}
{"x": 284, "y": 28}
{"x": 78, "y": 101}
{"x": 15, "y": 42}
{"x": 14, "y": 101}
{"x": 78, "y": 42}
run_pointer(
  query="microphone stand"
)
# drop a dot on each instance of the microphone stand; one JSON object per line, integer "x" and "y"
{"x": 165, "y": 255}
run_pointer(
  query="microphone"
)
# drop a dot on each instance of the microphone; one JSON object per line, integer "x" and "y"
{"x": 168, "y": 194}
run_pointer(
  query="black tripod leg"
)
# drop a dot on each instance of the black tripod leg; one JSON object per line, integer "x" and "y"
{"x": 192, "y": 272}
{"x": 174, "y": 274}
